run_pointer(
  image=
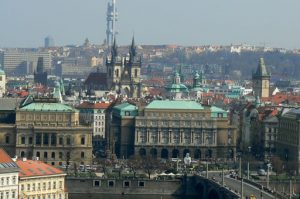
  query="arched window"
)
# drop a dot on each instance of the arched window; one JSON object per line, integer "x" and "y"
{"x": 82, "y": 154}
{"x": 7, "y": 139}
{"x": 82, "y": 140}
{"x": 22, "y": 154}
{"x": 68, "y": 141}
{"x": 38, "y": 154}
{"x": 135, "y": 72}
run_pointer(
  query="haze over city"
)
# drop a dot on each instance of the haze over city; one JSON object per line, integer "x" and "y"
{"x": 195, "y": 22}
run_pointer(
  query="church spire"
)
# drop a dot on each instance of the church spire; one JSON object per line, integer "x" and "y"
{"x": 114, "y": 50}
{"x": 132, "y": 51}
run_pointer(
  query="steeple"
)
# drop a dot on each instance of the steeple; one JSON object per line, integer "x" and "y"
{"x": 261, "y": 70}
{"x": 196, "y": 80}
{"x": 261, "y": 80}
{"x": 114, "y": 50}
{"x": 132, "y": 51}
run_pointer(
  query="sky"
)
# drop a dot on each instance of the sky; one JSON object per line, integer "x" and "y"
{"x": 274, "y": 23}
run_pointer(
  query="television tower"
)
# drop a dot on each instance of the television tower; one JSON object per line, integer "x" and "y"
{"x": 111, "y": 19}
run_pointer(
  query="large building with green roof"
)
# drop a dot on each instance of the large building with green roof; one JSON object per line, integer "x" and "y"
{"x": 170, "y": 129}
{"x": 51, "y": 131}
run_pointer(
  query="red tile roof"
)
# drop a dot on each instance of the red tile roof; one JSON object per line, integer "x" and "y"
{"x": 4, "y": 157}
{"x": 90, "y": 105}
{"x": 30, "y": 168}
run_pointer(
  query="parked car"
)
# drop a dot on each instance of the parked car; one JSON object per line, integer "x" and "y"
{"x": 261, "y": 172}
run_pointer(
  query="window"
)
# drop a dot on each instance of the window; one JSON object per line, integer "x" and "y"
{"x": 68, "y": 155}
{"x": 126, "y": 184}
{"x": 23, "y": 140}
{"x": 53, "y": 155}
{"x": 61, "y": 141}
{"x": 13, "y": 194}
{"x": 22, "y": 187}
{"x": 83, "y": 140}
{"x": 45, "y": 154}
{"x": 46, "y": 139}
{"x": 7, "y": 139}
{"x": 39, "y": 186}
{"x": 38, "y": 154}
{"x": 28, "y": 187}
{"x": 96, "y": 183}
{"x": 53, "y": 139}
{"x": 30, "y": 140}
{"x": 54, "y": 185}
{"x": 111, "y": 183}
{"x": 44, "y": 185}
{"x": 22, "y": 154}
{"x": 82, "y": 154}
{"x": 7, "y": 180}
{"x": 141, "y": 184}
{"x": 68, "y": 141}
{"x": 135, "y": 72}
{"x": 60, "y": 184}
{"x": 60, "y": 155}
{"x": 38, "y": 139}
{"x": 14, "y": 180}
{"x": 33, "y": 187}
{"x": 49, "y": 185}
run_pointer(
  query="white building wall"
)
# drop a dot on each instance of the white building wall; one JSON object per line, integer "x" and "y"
{"x": 9, "y": 185}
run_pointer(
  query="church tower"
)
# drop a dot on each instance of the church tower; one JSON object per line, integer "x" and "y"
{"x": 261, "y": 80}
{"x": 123, "y": 73}
{"x": 114, "y": 66}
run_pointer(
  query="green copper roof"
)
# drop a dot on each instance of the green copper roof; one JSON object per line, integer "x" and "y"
{"x": 126, "y": 106}
{"x": 175, "y": 88}
{"x": 166, "y": 104}
{"x": 218, "y": 112}
{"x": 50, "y": 107}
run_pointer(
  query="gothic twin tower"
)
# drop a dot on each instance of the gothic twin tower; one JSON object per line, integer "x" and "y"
{"x": 123, "y": 73}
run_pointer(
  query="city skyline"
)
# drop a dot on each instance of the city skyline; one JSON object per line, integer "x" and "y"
{"x": 196, "y": 22}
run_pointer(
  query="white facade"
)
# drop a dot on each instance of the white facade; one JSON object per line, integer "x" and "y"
{"x": 2, "y": 83}
{"x": 51, "y": 186}
{"x": 8, "y": 184}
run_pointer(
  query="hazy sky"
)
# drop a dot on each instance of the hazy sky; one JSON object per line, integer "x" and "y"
{"x": 25, "y": 23}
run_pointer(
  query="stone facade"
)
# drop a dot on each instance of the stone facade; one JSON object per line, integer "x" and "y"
{"x": 51, "y": 132}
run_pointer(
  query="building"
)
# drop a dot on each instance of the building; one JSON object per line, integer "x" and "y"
{"x": 51, "y": 131}
{"x": 2, "y": 83}
{"x": 40, "y": 75}
{"x": 39, "y": 180}
{"x": 288, "y": 140}
{"x": 170, "y": 129}
{"x": 261, "y": 80}
{"x": 123, "y": 73}
{"x": 9, "y": 172}
{"x": 270, "y": 131}
{"x": 177, "y": 90}
{"x": 20, "y": 63}
{"x": 49, "y": 42}
{"x": 94, "y": 114}
{"x": 121, "y": 132}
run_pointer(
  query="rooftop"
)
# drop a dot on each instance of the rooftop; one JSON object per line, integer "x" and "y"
{"x": 126, "y": 106}
{"x": 55, "y": 107}
{"x": 179, "y": 105}
{"x": 30, "y": 168}
{"x": 90, "y": 105}
{"x": 6, "y": 161}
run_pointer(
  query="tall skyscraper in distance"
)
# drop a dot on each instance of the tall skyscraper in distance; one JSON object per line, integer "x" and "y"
{"x": 111, "y": 19}
{"x": 49, "y": 42}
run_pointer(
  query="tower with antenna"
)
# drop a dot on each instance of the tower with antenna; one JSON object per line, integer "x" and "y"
{"x": 111, "y": 19}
